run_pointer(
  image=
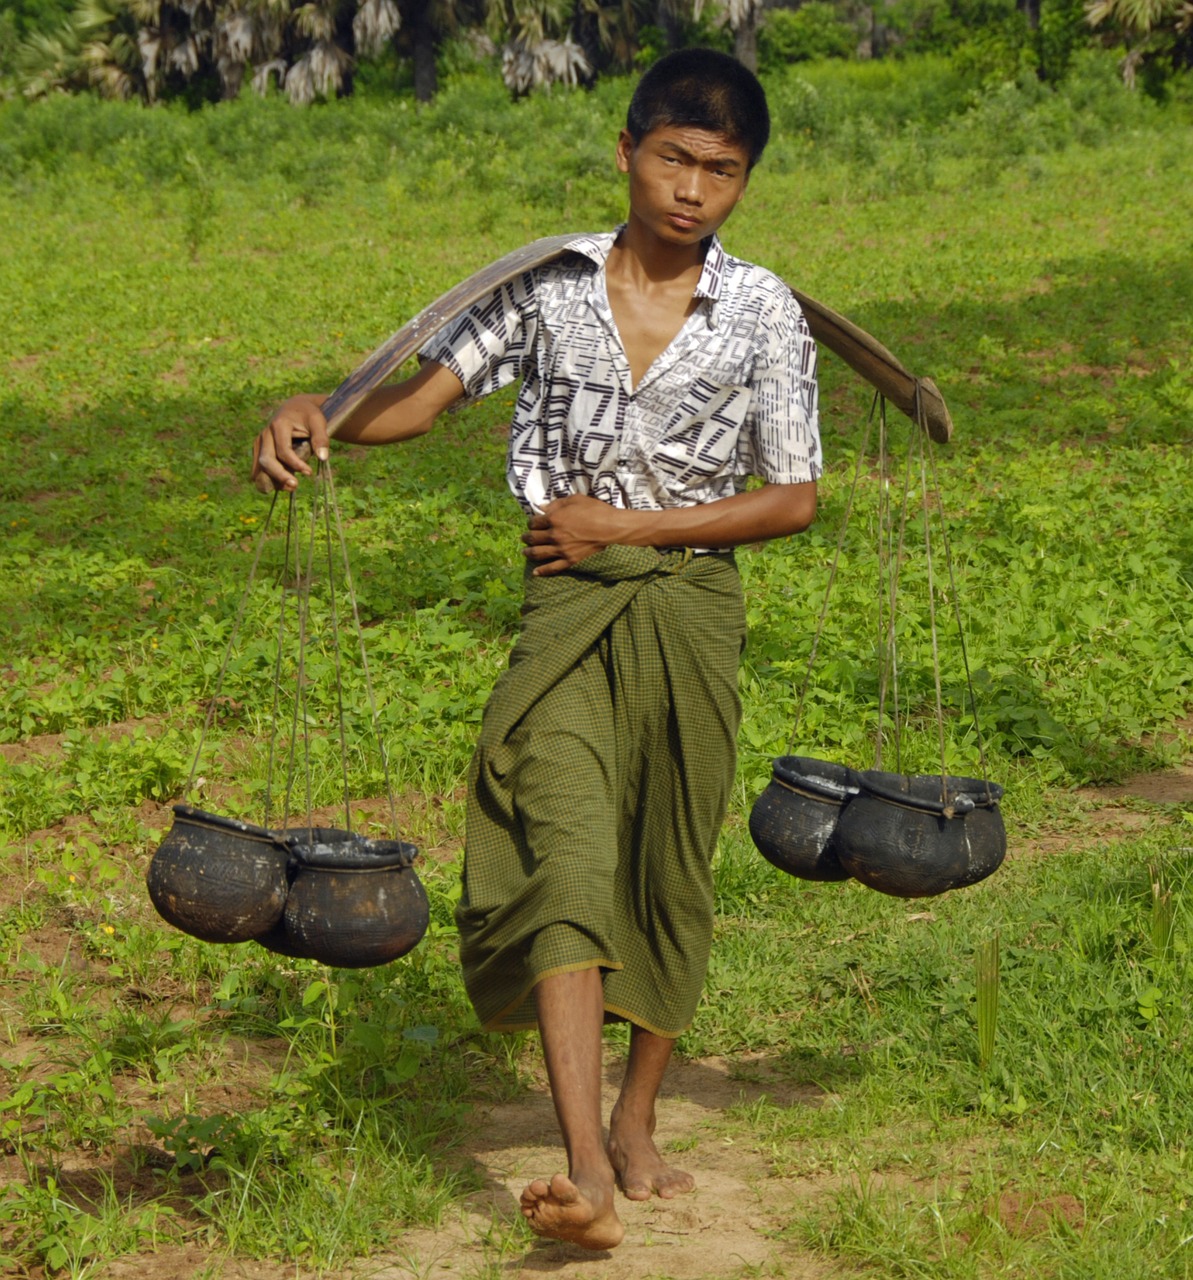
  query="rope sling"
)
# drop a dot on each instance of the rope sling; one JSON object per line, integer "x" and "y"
{"x": 904, "y": 834}
{"x": 323, "y": 893}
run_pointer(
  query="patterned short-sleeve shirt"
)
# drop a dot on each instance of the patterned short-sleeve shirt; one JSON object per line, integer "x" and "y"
{"x": 734, "y": 394}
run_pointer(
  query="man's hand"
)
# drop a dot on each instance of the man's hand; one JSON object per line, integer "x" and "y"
{"x": 276, "y": 455}
{"x": 569, "y": 530}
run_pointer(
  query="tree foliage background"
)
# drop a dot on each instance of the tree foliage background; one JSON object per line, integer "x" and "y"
{"x": 311, "y": 50}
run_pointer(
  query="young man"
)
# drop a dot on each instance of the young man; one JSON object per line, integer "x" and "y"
{"x": 657, "y": 372}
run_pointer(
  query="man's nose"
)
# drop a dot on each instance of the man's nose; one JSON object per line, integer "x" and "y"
{"x": 690, "y": 187}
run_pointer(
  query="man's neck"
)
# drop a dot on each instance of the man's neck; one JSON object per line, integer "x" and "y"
{"x": 642, "y": 259}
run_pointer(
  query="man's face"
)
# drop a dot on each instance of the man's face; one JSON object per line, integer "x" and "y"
{"x": 684, "y": 181}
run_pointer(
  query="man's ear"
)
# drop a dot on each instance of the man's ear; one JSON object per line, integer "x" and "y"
{"x": 625, "y": 149}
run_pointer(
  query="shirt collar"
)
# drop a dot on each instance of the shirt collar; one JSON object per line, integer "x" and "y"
{"x": 713, "y": 275}
{"x": 596, "y": 248}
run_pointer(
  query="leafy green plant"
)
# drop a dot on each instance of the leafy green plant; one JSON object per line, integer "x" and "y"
{"x": 814, "y": 30}
{"x": 74, "y": 1107}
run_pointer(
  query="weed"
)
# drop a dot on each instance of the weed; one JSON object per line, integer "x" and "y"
{"x": 77, "y": 1106}
{"x": 74, "y": 1239}
{"x": 1163, "y": 922}
{"x": 986, "y": 980}
{"x": 201, "y": 200}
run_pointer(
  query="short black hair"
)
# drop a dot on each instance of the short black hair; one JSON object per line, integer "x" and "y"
{"x": 706, "y": 89}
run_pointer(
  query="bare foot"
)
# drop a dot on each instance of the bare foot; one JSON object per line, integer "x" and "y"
{"x": 579, "y": 1212}
{"x": 641, "y": 1171}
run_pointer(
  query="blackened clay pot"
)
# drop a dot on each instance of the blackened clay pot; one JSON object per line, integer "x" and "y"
{"x": 353, "y": 902}
{"x": 216, "y": 878}
{"x": 794, "y": 821}
{"x": 914, "y": 836}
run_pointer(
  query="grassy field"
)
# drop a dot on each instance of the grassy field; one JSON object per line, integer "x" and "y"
{"x": 169, "y": 1107}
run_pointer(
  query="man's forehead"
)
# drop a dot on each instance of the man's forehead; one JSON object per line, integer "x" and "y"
{"x": 702, "y": 143}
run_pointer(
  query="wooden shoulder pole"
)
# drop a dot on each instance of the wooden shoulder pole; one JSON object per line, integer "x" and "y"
{"x": 862, "y": 352}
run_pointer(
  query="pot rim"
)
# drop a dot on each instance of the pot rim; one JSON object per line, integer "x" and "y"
{"x": 333, "y": 849}
{"x": 806, "y": 775}
{"x": 961, "y": 795}
{"x": 191, "y": 816}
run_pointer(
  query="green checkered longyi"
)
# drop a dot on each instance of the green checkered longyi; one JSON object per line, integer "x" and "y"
{"x": 599, "y": 785}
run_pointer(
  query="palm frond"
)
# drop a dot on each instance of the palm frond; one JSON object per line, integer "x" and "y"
{"x": 375, "y": 24}
{"x": 527, "y": 65}
{"x": 319, "y": 73}
{"x": 316, "y": 21}
{"x": 1137, "y": 17}
{"x": 261, "y": 75}
{"x": 49, "y": 63}
{"x": 147, "y": 13}
{"x": 113, "y": 62}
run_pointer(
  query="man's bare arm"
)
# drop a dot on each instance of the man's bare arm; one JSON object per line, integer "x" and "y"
{"x": 572, "y": 528}
{"x": 389, "y": 414}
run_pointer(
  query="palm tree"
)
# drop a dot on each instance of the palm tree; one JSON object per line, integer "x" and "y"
{"x": 1153, "y": 28}
{"x": 149, "y": 48}
{"x": 742, "y": 16}
{"x": 153, "y": 48}
{"x": 122, "y": 49}
{"x": 96, "y": 48}
{"x": 536, "y": 43}
{"x": 249, "y": 33}
{"x": 173, "y": 39}
{"x": 608, "y": 32}
{"x": 320, "y": 69}
{"x": 533, "y": 64}
{"x": 48, "y": 63}
{"x": 426, "y": 24}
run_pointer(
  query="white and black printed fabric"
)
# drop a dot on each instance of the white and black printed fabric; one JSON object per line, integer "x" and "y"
{"x": 735, "y": 393}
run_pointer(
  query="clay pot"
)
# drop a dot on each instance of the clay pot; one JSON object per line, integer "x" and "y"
{"x": 916, "y": 836}
{"x": 218, "y": 878}
{"x": 353, "y": 902}
{"x": 794, "y": 820}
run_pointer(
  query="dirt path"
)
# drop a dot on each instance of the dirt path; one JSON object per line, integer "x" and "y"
{"x": 1113, "y": 812}
{"x": 724, "y": 1229}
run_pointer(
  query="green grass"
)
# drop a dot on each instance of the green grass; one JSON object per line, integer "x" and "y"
{"x": 172, "y": 276}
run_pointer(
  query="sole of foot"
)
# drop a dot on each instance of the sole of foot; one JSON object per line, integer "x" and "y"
{"x": 562, "y": 1210}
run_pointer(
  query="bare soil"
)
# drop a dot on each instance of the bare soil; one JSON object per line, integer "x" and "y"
{"x": 1168, "y": 786}
{"x": 724, "y": 1228}
{"x": 1106, "y": 813}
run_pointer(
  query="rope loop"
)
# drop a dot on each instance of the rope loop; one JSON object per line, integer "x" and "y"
{"x": 303, "y": 534}
{"x": 892, "y": 531}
